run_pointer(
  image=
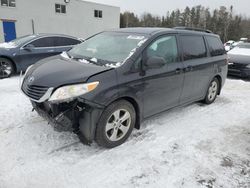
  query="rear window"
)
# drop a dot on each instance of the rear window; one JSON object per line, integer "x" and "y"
{"x": 193, "y": 47}
{"x": 215, "y": 45}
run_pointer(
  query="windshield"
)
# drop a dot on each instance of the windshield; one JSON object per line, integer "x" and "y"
{"x": 22, "y": 40}
{"x": 113, "y": 47}
{"x": 244, "y": 45}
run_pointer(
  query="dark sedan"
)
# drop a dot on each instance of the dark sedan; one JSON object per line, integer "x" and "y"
{"x": 239, "y": 60}
{"x": 17, "y": 55}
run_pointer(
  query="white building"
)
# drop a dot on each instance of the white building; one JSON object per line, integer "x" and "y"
{"x": 73, "y": 17}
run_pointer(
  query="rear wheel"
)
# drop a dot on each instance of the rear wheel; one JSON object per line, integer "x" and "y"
{"x": 116, "y": 124}
{"x": 6, "y": 68}
{"x": 212, "y": 91}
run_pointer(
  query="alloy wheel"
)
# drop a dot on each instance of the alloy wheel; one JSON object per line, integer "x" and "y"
{"x": 212, "y": 91}
{"x": 5, "y": 69}
{"x": 118, "y": 125}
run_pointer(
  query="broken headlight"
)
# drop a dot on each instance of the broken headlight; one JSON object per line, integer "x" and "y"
{"x": 71, "y": 91}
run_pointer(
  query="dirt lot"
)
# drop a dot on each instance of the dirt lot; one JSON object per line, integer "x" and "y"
{"x": 192, "y": 146}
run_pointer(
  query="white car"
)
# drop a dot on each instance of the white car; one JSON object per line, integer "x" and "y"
{"x": 229, "y": 45}
{"x": 239, "y": 60}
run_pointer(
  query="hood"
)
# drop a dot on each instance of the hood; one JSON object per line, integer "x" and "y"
{"x": 57, "y": 71}
{"x": 239, "y": 55}
{"x": 7, "y": 51}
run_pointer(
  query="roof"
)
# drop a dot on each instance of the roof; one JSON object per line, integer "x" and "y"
{"x": 52, "y": 34}
{"x": 155, "y": 30}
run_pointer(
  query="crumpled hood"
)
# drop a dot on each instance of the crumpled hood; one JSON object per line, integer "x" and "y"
{"x": 57, "y": 71}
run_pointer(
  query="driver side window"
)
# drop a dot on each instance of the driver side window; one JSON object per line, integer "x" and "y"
{"x": 164, "y": 47}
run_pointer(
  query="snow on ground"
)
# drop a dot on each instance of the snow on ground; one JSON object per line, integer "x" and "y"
{"x": 192, "y": 146}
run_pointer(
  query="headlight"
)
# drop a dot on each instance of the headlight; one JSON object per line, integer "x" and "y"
{"x": 72, "y": 91}
{"x": 27, "y": 70}
{"x": 248, "y": 66}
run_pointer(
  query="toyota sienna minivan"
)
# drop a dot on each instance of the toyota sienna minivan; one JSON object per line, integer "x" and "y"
{"x": 105, "y": 87}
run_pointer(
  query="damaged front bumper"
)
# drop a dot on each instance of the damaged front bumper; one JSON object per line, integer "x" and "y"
{"x": 79, "y": 116}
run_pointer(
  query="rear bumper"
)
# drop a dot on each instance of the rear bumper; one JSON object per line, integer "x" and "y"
{"x": 80, "y": 117}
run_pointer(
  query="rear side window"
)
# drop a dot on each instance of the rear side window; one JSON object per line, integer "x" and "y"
{"x": 43, "y": 42}
{"x": 193, "y": 47}
{"x": 215, "y": 45}
{"x": 64, "y": 41}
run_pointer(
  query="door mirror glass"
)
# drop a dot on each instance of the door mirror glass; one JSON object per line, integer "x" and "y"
{"x": 29, "y": 47}
{"x": 155, "y": 62}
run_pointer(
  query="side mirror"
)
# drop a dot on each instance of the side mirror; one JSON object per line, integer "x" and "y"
{"x": 155, "y": 62}
{"x": 29, "y": 47}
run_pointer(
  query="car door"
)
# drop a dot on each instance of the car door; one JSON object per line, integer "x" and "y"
{"x": 163, "y": 85}
{"x": 197, "y": 67}
{"x": 36, "y": 50}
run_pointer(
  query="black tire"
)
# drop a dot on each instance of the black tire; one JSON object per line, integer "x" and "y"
{"x": 102, "y": 138}
{"x": 6, "y": 68}
{"x": 209, "y": 99}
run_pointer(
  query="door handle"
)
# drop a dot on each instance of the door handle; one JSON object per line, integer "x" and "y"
{"x": 188, "y": 69}
{"x": 51, "y": 50}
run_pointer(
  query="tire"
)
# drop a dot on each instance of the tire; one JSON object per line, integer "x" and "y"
{"x": 6, "y": 68}
{"x": 212, "y": 91}
{"x": 115, "y": 124}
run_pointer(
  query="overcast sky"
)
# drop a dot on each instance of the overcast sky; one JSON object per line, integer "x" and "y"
{"x": 160, "y": 7}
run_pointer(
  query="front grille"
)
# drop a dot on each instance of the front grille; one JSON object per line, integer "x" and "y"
{"x": 33, "y": 91}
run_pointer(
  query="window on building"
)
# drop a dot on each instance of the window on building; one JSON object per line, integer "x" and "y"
{"x": 193, "y": 47}
{"x": 8, "y": 3}
{"x": 216, "y": 47}
{"x": 59, "y": 8}
{"x": 98, "y": 13}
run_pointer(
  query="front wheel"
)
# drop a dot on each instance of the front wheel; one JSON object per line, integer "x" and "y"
{"x": 6, "y": 68}
{"x": 116, "y": 124}
{"x": 212, "y": 91}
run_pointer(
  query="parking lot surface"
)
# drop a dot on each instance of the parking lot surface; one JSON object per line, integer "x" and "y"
{"x": 192, "y": 146}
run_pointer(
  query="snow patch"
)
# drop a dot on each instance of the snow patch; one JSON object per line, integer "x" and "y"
{"x": 65, "y": 55}
{"x": 7, "y": 45}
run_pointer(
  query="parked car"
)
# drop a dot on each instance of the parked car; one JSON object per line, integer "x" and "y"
{"x": 105, "y": 87}
{"x": 17, "y": 55}
{"x": 229, "y": 45}
{"x": 239, "y": 60}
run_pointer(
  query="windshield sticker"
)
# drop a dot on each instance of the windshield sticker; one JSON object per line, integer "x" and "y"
{"x": 93, "y": 50}
{"x": 133, "y": 37}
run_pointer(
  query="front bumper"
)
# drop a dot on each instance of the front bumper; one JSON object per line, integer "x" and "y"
{"x": 238, "y": 70}
{"x": 80, "y": 117}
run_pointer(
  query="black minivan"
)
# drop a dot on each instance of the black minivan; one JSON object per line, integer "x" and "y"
{"x": 105, "y": 87}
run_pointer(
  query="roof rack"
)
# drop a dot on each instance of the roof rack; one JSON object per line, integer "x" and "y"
{"x": 194, "y": 29}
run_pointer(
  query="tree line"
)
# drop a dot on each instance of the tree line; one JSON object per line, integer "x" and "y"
{"x": 221, "y": 21}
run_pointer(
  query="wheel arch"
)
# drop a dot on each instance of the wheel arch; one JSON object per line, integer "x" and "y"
{"x": 220, "y": 82}
{"x": 10, "y": 59}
